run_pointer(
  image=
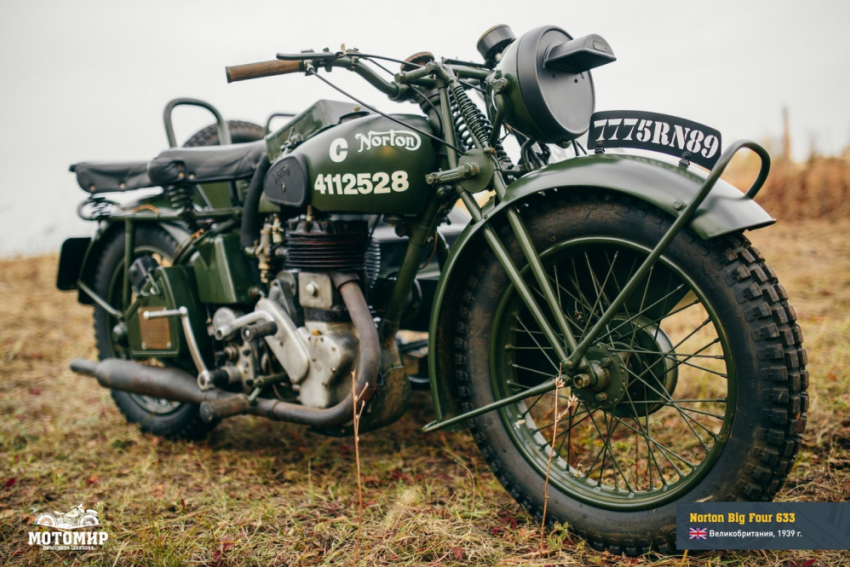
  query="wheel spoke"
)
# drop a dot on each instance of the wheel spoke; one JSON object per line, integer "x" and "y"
{"x": 582, "y": 299}
{"x": 649, "y": 448}
{"x": 651, "y": 458}
{"x": 600, "y": 294}
{"x": 555, "y": 366}
{"x": 663, "y": 448}
{"x": 686, "y": 363}
{"x": 645, "y": 433}
{"x": 662, "y": 353}
{"x": 566, "y": 316}
{"x": 677, "y": 345}
{"x": 586, "y": 412}
{"x": 597, "y": 288}
{"x": 636, "y": 315}
{"x": 614, "y": 459}
{"x": 702, "y": 400}
{"x": 531, "y": 407}
{"x": 534, "y": 370}
{"x": 534, "y": 403}
{"x": 657, "y": 322}
{"x": 565, "y": 290}
{"x": 702, "y": 412}
{"x": 599, "y": 454}
{"x": 672, "y": 403}
{"x": 566, "y": 434}
{"x": 606, "y": 444}
{"x": 617, "y": 283}
{"x": 704, "y": 446}
{"x": 512, "y": 384}
{"x": 642, "y": 303}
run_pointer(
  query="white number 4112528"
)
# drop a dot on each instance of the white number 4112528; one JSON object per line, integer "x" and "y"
{"x": 361, "y": 183}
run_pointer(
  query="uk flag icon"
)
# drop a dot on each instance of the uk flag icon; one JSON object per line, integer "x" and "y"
{"x": 697, "y": 533}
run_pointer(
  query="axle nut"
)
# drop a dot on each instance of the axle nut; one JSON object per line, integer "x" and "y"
{"x": 582, "y": 380}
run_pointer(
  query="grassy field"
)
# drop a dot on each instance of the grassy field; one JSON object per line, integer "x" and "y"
{"x": 263, "y": 493}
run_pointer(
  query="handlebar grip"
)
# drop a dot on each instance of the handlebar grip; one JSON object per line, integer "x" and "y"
{"x": 261, "y": 69}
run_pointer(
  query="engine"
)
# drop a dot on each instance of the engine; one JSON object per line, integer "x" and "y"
{"x": 299, "y": 340}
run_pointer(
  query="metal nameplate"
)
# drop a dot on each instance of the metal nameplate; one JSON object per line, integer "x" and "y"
{"x": 154, "y": 333}
{"x": 656, "y": 132}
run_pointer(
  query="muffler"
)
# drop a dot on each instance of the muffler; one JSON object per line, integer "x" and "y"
{"x": 160, "y": 382}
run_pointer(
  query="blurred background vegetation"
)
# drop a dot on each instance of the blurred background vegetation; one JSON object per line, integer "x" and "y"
{"x": 817, "y": 188}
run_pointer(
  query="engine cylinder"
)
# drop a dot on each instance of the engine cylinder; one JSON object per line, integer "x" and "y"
{"x": 327, "y": 245}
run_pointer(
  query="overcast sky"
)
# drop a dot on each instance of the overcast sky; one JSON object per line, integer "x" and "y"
{"x": 87, "y": 80}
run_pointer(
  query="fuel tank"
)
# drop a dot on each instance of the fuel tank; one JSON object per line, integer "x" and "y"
{"x": 366, "y": 164}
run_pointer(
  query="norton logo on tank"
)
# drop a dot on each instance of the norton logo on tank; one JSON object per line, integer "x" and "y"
{"x": 392, "y": 138}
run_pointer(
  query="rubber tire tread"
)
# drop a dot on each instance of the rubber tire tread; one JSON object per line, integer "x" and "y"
{"x": 766, "y": 319}
{"x": 240, "y": 132}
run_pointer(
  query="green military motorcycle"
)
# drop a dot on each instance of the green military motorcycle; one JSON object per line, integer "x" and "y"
{"x": 600, "y": 321}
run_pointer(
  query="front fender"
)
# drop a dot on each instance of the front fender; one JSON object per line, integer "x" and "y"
{"x": 665, "y": 186}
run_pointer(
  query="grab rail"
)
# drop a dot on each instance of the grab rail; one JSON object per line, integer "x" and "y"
{"x": 220, "y": 124}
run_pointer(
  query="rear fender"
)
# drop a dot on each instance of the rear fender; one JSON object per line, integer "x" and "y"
{"x": 662, "y": 185}
{"x": 84, "y": 263}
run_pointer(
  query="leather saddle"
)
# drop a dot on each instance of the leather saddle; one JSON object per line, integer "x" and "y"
{"x": 172, "y": 167}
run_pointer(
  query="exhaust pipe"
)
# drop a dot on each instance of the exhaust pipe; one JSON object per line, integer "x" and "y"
{"x": 364, "y": 383}
{"x": 179, "y": 386}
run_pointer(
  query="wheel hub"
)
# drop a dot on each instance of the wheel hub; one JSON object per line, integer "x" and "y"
{"x": 604, "y": 385}
{"x": 649, "y": 354}
{"x": 633, "y": 377}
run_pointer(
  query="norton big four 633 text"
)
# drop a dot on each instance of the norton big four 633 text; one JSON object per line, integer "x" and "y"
{"x": 603, "y": 311}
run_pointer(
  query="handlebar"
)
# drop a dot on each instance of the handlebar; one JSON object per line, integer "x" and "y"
{"x": 288, "y": 64}
{"x": 397, "y": 90}
{"x": 261, "y": 69}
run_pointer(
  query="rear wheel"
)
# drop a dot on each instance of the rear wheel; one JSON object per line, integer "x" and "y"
{"x": 241, "y": 132}
{"x": 705, "y": 394}
{"x": 158, "y": 416}
{"x": 154, "y": 415}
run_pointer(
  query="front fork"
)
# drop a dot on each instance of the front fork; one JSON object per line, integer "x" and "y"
{"x": 574, "y": 370}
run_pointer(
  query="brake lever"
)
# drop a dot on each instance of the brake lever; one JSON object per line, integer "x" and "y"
{"x": 310, "y": 56}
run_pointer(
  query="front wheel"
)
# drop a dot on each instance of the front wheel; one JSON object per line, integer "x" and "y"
{"x": 705, "y": 394}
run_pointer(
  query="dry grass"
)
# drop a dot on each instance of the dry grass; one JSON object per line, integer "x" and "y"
{"x": 263, "y": 493}
{"x": 818, "y": 188}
